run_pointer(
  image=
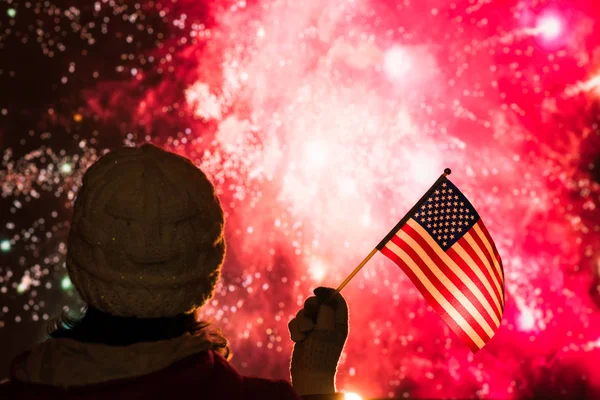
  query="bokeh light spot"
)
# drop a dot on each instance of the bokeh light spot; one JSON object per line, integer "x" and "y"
{"x": 66, "y": 168}
{"x": 317, "y": 271}
{"x": 5, "y": 246}
{"x": 549, "y": 26}
{"x": 66, "y": 283}
{"x": 397, "y": 63}
{"x": 526, "y": 320}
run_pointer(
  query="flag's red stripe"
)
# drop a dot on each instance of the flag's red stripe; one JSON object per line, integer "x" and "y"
{"x": 479, "y": 241}
{"x": 431, "y": 300}
{"x": 463, "y": 265}
{"x": 449, "y": 273}
{"x": 478, "y": 264}
{"x": 491, "y": 242}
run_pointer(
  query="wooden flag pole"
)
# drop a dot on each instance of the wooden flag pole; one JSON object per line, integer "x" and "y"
{"x": 362, "y": 264}
{"x": 396, "y": 228}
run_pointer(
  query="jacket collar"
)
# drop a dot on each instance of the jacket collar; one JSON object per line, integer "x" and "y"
{"x": 66, "y": 362}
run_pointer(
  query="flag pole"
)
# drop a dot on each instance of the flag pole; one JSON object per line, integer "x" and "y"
{"x": 394, "y": 230}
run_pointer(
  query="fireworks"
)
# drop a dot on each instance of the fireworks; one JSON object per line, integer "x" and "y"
{"x": 321, "y": 123}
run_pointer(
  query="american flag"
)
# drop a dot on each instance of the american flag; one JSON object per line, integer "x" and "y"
{"x": 449, "y": 255}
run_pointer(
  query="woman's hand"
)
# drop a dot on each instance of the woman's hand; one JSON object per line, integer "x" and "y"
{"x": 319, "y": 331}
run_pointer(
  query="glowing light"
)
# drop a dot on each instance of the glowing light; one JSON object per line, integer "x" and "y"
{"x": 352, "y": 396}
{"x": 66, "y": 283}
{"x": 5, "y": 246}
{"x": 591, "y": 85}
{"x": 397, "y": 63}
{"x": 11, "y": 12}
{"x": 66, "y": 168}
{"x": 549, "y": 26}
{"x": 77, "y": 117}
{"x": 316, "y": 154}
{"x": 317, "y": 270}
{"x": 526, "y": 320}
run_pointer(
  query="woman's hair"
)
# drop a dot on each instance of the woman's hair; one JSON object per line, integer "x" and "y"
{"x": 95, "y": 326}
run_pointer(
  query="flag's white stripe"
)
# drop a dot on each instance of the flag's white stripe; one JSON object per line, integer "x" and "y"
{"x": 452, "y": 312}
{"x": 446, "y": 259}
{"x": 488, "y": 246}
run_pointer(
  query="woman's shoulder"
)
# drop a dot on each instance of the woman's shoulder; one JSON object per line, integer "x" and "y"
{"x": 207, "y": 373}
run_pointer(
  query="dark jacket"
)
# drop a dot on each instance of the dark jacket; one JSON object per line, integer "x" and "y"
{"x": 206, "y": 375}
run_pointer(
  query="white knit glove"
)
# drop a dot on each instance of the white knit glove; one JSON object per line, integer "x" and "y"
{"x": 319, "y": 331}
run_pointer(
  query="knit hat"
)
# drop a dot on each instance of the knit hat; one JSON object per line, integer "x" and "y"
{"x": 147, "y": 235}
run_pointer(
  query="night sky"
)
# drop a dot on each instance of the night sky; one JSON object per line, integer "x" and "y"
{"x": 321, "y": 122}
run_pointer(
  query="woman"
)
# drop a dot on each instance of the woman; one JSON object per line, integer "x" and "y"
{"x": 145, "y": 252}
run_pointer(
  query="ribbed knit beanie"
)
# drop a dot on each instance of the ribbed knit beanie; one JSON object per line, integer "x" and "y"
{"x": 147, "y": 235}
